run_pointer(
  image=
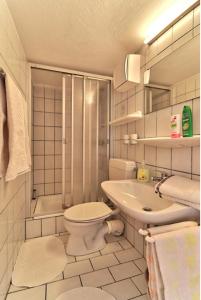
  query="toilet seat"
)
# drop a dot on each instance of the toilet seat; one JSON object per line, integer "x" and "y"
{"x": 87, "y": 212}
{"x": 85, "y": 293}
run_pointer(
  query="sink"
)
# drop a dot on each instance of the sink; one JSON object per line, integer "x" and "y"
{"x": 139, "y": 201}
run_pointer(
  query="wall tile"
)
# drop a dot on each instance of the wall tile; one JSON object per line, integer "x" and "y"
{"x": 196, "y": 116}
{"x": 163, "y": 122}
{"x": 39, "y": 162}
{"x": 39, "y": 148}
{"x": 38, "y": 119}
{"x": 39, "y": 91}
{"x": 49, "y": 134}
{"x": 49, "y": 176}
{"x": 39, "y": 176}
{"x": 196, "y": 160}
{"x": 165, "y": 40}
{"x": 164, "y": 158}
{"x": 49, "y": 162}
{"x": 49, "y": 148}
{"x": 48, "y": 226}
{"x": 150, "y": 125}
{"x": 49, "y": 188}
{"x": 181, "y": 159}
{"x": 49, "y": 119}
{"x": 49, "y": 92}
{"x": 150, "y": 155}
{"x": 33, "y": 229}
{"x": 49, "y": 106}
{"x": 197, "y": 16}
{"x": 183, "y": 26}
{"x": 38, "y": 104}
{"x": 139, "y": 152}
{"x": 39, "y": 133}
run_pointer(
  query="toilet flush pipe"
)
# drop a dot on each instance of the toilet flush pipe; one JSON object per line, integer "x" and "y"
{"x": 115, "y": 227}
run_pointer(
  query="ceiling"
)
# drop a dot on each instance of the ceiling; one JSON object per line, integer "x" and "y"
{"x": 84, "y": 35}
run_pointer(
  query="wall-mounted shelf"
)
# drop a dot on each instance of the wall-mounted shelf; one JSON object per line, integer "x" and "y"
{"x": 127, "y": 119}
{"x": 167, "y": 142}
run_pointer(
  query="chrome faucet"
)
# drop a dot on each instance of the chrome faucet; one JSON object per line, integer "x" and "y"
{"x": 159, "y": 178}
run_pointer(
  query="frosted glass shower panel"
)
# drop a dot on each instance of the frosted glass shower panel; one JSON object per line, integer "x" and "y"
{"x": 77, "y": 139}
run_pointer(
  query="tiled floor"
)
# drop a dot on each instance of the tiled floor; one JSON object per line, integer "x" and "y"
{"x": 118, "y": 269}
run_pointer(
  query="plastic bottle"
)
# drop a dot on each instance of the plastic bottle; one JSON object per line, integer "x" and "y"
{"x": 175, "y": 126}
{"x": 143, "y": 173}
{"x": 187, "y": 122}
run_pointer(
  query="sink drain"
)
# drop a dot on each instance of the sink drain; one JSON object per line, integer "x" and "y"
{"x": 147, "y": 209}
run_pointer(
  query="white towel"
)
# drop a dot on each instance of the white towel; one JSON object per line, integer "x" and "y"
{"x": 156, "y": 287}
{"x": 19, "y": 149}
{"x": 180, "y": 189}
{"x": 3, "y": 130}
{"x": 178, "y": 259}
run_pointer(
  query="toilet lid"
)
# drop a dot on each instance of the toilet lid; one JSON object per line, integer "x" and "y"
{"x": 87, "y": 211}
{"x": 85, "y": 293}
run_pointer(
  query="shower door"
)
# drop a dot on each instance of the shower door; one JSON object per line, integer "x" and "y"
{"x": 85, "y": 138}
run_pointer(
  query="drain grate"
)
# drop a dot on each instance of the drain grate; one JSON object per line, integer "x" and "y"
{"x": 147, "y": 209}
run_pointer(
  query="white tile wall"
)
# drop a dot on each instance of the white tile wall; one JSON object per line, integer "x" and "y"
{"x": 182, "y": 161}
{"x": 12, "y": 194}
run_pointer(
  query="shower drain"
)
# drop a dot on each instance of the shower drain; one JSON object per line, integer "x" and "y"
{"x": 147, "y": 209}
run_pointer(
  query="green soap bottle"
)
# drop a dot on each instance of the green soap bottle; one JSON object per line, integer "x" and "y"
{"x": 187, "y": 122}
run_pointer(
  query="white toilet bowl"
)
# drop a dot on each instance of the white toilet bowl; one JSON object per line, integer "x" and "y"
{"x": 86, "y": 222}
{"x": 85, "y": 293}
{"x": 87, "y": 227}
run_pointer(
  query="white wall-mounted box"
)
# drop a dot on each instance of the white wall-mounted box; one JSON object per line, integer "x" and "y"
{"x": 127, "y": 73}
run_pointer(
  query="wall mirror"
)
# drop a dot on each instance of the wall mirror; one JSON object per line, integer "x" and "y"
{"x": 160, "y": 80}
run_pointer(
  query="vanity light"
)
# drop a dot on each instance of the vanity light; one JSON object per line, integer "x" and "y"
{"x": 170, "y": 16}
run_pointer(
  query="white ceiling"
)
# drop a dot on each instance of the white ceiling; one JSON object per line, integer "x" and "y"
{"x": 84, "y": 35}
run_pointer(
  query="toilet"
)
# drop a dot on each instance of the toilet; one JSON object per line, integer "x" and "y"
{"x": 85, "y": 293}
{"x": 87, "y": 222}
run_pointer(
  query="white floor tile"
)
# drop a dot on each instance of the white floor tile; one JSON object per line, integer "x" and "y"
{"x": 56, "y": 288}
{"x": 77, "y": 268}
{"x": 124, "y": 271}
{"x": 144, "y": 297}
{"x": 127, "y": 255}
{"x": 122, "y": 290}
{"x": 82, "y": 257}
{"x": 97, "y": 278}
{"x": 112, "y": 238}
{"x": 59, "y": 277}
{"x": 70, "y": 259}
{"x": 141, "y": 264}
{"x": 125, "y": 244}
{"x": 29, "y": 294}
{"x": 111, "y": 247}
{"x": 104, "y": 261}
{"x": 14, "y": 288}
{"x": 141, "y": 283}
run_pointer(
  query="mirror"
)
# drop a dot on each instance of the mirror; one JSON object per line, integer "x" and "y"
{"x": 159, "y": 81}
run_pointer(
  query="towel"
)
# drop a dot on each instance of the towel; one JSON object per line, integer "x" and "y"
{"x": 3, "y": 130}
{"x": 171, "y": 271}
{"x": 155, "y": 283}
{"x": 178, "y": 259}
{"x": 18, "y": 141}
{"x": 180, "y": 189}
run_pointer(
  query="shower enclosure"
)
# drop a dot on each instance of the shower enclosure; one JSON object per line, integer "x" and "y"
{"x": 70, "y": 159}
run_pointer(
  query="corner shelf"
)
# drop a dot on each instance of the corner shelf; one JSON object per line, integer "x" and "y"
{"x": 127, "y": 119}
{"x": 167, "y": 142}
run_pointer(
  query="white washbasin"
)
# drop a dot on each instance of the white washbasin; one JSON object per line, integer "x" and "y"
{"x": 132, "y": 197}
